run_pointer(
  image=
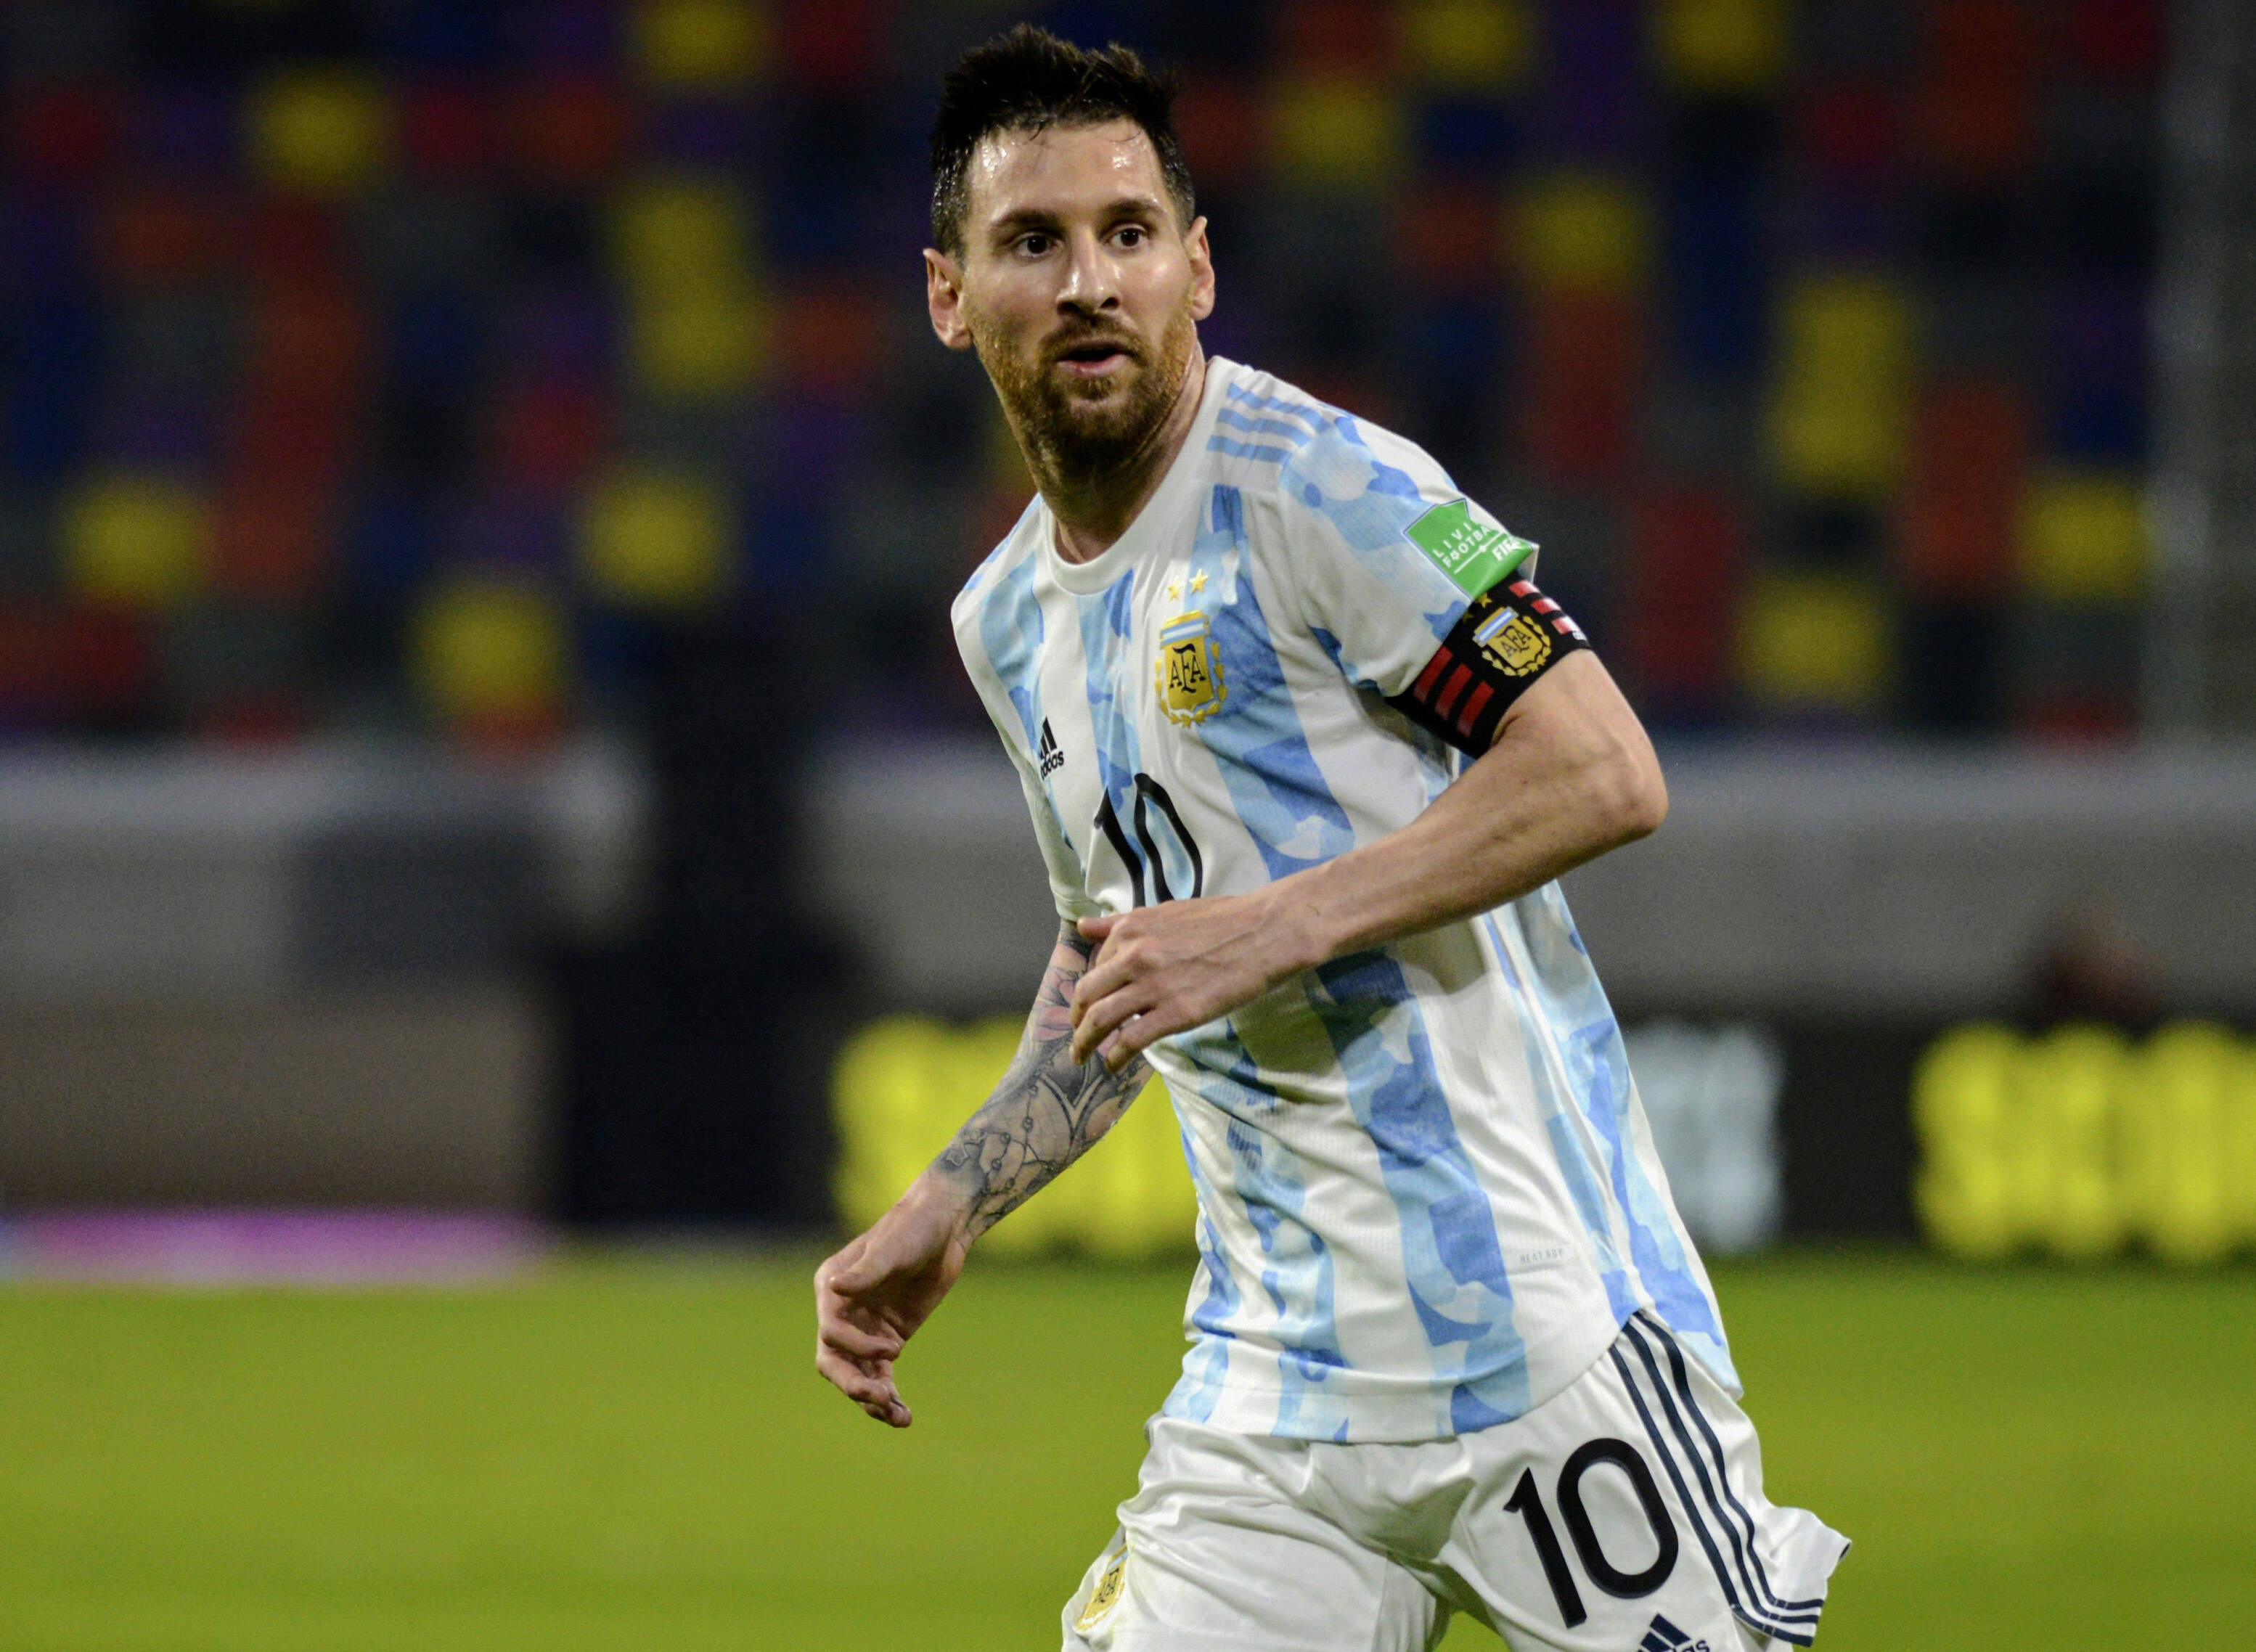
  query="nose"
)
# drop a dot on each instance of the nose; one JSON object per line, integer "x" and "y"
{"x": 1091, "y": 284}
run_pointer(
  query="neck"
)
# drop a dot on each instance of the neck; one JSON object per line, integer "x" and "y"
{"x": 1093, "y": 511}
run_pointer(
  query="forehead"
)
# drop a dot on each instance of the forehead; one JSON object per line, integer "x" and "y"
{"x": 1059, "y": 168}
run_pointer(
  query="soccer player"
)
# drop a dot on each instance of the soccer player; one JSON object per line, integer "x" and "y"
{"x": 1305, "y": 750}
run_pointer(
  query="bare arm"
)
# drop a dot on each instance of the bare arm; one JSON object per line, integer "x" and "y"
{"x": 1047, "y": 1111}
{"x": 1570, "y": 776}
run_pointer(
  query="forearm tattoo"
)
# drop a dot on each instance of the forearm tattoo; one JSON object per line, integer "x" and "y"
{"x": 1047, "y": 1111}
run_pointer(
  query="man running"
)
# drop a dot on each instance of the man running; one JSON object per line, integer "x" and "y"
{"x": 1305, "y": 750}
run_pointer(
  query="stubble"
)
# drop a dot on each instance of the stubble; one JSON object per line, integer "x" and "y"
{"x": 1074, "y": 432}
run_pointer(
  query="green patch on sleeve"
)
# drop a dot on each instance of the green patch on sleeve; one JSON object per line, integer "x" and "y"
{"x": 1470, "y": 551}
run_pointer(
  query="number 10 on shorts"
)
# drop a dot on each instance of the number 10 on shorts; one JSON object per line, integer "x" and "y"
{"x": 1526, "y": 1501}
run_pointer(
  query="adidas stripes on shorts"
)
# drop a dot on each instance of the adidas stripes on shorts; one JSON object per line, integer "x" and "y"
{"x": 1624, "y": 1514}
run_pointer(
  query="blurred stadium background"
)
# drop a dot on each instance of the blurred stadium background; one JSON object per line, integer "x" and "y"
{"x": 487, "y": 796}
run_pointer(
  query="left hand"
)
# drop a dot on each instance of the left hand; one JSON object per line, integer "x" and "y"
{"x": 870, "y": 1297}
{"x": 1160, "y": 970}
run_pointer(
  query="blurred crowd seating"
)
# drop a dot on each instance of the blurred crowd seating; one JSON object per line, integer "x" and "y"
{"x": 409, "y": 366}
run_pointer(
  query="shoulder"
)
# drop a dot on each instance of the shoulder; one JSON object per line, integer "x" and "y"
{"x": 1273, "y": 440}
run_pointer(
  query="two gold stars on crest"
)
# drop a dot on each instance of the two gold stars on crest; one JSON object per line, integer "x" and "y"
{"x": 1175, "y": 586}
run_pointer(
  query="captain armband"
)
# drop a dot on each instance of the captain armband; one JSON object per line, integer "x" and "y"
{"x": 1505, "y": 641}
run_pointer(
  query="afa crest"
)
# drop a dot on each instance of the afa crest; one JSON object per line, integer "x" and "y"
{"x": 1514, "y": 642}
{"x": 1187, "y": 671}
{"x": 1106, "y": 1595}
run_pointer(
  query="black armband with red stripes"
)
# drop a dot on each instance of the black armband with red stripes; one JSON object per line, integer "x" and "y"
{"x": 1503, "y": 641}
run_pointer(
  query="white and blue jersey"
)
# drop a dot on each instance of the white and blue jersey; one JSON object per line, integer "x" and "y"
{"x": 1428, "y": 1195}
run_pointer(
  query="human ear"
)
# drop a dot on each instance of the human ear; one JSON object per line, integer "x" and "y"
{"x": 1202, "y": 270}
{"x": 943, "y": 298}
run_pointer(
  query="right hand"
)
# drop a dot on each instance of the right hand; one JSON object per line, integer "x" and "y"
{"x": 870, "y": 1297}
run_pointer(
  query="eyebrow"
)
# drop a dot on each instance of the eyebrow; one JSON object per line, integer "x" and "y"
{"x": 1038, "y": 218}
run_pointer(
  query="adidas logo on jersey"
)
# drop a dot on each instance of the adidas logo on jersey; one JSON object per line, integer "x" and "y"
{"x": 1661, "y": 1635}
{"x": 1047, "y": 755}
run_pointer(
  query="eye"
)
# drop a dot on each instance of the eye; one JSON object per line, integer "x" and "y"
{"x": 1034, "y": 244}
{"x": 1131, "y": 235}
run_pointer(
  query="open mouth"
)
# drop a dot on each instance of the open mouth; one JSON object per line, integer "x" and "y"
{"x": 1095, "y": 356}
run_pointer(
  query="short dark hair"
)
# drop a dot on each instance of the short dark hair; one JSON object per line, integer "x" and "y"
{"x": 1028, "y": 79}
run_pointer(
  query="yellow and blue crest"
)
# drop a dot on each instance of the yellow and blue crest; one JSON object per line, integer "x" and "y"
{"x": 1188, "y": 671}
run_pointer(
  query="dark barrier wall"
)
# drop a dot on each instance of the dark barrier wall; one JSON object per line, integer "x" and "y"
{"x": 1845, "y": 1145}
{"x": 694, "y": 1054}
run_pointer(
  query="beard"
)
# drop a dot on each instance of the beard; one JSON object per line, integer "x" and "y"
{"x": 1081, "y": 430}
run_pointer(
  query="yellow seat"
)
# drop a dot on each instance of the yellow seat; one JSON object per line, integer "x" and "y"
{"x": 141, "y": 540}
{"x": 651, "y": 539}
{"x": 484, "y": 650}
{"x": 673, "y": 234}
{"x": 697, "y": 329}
{"x": 321, "y": 131}
{"x": 1582, "y": 232}
{"x": 699, "y": 43}
{"x": 701, "y": 346}
{"x": 1467, "y": 46}
{"x": 1721, "y": 46}
{"x": 1841, "y": 401}
{"x": 1845, "y": 325}
{"x": 2084, "y": 537}
{"x": 1331, "y": 132}
{"x": 1838, "y": 439}
{"x": 1816, "y": 642}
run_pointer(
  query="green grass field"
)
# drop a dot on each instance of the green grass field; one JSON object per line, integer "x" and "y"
{"x": 636, "y": 1454}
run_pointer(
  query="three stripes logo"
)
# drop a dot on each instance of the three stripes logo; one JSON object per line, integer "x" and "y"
{"x": 1661, "y": 1635}
{"x": 1047, "y": 756}
{"x": 1692, "y": 1456}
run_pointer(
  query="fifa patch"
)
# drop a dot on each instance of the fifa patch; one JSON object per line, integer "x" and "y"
{"x": 1470, "y": 551}
{"x": 1106, "y": 1595}
{"x": 1187, "y": 671}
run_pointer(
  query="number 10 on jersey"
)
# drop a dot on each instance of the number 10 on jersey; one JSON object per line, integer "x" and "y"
{"x": 1164, "y": 863}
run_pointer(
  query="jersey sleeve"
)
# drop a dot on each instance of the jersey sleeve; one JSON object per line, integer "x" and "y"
{"x": 1386, "y": 552}
{"x": 1069, "y": 886}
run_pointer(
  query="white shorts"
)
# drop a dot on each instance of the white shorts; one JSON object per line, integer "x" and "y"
{"x": 1625, "y": 1514}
